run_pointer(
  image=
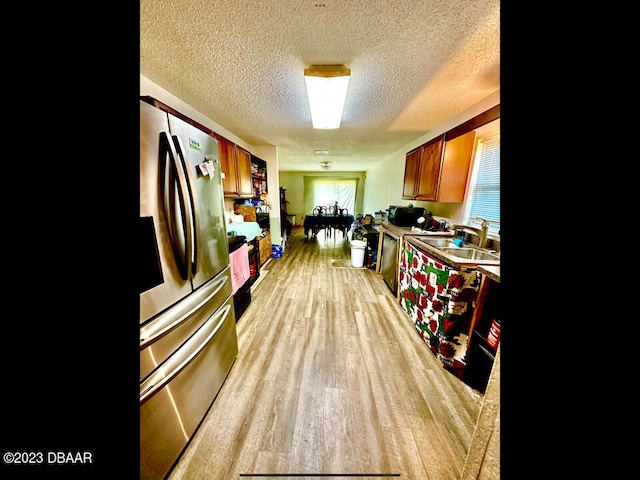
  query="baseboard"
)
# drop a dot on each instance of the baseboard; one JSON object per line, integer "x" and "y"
{"x": 263, "y": 273}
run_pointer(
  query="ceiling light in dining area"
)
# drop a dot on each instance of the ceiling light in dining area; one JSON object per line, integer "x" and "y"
{"x": 327, "y": 91}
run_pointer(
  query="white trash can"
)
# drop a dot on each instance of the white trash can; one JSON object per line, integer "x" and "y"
{"x": 357, "y": 253}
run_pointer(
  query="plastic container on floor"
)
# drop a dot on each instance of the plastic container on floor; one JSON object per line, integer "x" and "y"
{"x": 357, "y": 253}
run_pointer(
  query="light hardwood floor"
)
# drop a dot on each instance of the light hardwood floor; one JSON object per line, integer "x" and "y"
{"x": 331, "y": 378}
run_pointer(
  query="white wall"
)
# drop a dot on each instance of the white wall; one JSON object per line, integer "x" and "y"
{"x": 270, "y": 155}
{"x": 383, "y": 183}
{"x": 293, "y": 183}
{"x": 299, "y": 200}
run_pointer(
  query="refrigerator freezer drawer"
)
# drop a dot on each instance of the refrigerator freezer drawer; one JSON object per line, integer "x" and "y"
{"x": 175, "y": 398}
{"x": 163, "y": 334}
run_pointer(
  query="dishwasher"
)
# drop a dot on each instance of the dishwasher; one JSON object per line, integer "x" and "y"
{"x": 389, "y": 260}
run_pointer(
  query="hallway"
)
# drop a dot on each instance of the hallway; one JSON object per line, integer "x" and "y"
{"x": 331, "y": 378}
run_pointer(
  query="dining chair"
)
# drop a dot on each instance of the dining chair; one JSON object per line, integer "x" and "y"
{"x": 320, "y": 223}
{"x": 344, "y": 228}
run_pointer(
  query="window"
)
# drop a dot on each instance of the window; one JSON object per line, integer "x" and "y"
{"x": 328, "y": 192}
{"x": 484, "y": 197}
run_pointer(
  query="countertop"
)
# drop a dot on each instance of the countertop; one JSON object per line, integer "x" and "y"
{"x": 400, "y": 231}
{"x": 250, "y": 230}
{"x": 491, "y": 271}
{"x": 454, "y": 262}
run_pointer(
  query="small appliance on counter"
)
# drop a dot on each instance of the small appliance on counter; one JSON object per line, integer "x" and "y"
{"x": 405, "y": 216}
{"x": 427, "y": 223}
{"x": 436, "y": 227}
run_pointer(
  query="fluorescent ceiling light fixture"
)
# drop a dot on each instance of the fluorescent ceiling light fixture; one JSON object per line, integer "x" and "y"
{"x": 321, "y": 152}
{"x": 327, "y": 91}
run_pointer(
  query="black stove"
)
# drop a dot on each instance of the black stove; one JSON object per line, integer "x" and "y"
{"x": 242, "y": 297}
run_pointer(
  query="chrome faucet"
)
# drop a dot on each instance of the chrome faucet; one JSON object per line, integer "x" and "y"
{"x": 481, "y": 232}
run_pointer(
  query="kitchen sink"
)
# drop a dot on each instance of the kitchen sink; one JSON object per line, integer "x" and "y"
{"x": 439, "y": 242}
{"x": 470, "y": 253}
{"x": 465, "y": 256}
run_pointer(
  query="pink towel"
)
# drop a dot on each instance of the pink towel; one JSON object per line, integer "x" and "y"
{"x": 239, "y": 265}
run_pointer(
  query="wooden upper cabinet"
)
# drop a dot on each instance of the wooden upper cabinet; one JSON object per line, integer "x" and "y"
{"x": 243, "y": 163}
{"x": 411, "y": 170}
{"x": 455, "y": 167}
{"x": 422, "y": 171}
{"x": 429, "y": 173}
{"x": 235, "y": 162}
{"x": 438, "y": 170}
{"x": 227, "y": 165}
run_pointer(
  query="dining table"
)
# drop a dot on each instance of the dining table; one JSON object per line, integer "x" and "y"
{"x": 314, "y": 223}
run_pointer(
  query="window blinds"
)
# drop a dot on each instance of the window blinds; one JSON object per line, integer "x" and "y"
{"x": 485, "y": 199}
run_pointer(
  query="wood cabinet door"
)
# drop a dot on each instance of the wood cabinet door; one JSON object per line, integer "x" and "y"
{"x": 249, "y": 213}
{"x": 429, "y": 175}
{"x": 411, "y": 172}
{"x": 455, "y": 167}
{"x": 243, "y": 172}
{"x": 227, "y": 165}
{"x": 265, "y": 248}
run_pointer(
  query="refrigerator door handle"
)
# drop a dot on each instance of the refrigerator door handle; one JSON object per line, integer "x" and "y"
{"x": 167, "y": 321}
{"x": 178, "y": 361}
{"x": 174, "y": 176}
{"x": 192, "y": 207}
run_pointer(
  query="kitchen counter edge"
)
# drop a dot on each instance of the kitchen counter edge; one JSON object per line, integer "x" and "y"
{"x": 491, "y": 271}
{"x": 401, "y": 231}
{"x": 417, "y": 242}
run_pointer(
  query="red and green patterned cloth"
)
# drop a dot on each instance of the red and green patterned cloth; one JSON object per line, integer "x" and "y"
{"x": 440, "y": 300}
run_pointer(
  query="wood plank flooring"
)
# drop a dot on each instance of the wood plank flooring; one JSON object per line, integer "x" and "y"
{"x": 331, "y": 378}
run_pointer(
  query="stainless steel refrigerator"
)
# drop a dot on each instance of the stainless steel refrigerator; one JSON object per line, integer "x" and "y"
{"x": 188, "y": 340}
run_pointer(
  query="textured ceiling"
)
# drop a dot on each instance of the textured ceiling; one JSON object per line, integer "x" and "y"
{"x": 414, "y": 64}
